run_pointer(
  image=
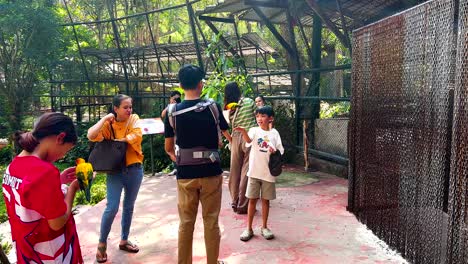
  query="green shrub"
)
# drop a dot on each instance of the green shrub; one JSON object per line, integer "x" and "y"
{"x": 285, "y": 124}
{"x": 81, "y": 149}
{"x": 160, "y": 159}
{"x": 3, "y": 213}
{"x": 340, "y": 109}
{"x": 98, "y": 191}
{"x": 6, "y": 246}
{"x": 6, "y": 155}
{"x": 225, "y": 155}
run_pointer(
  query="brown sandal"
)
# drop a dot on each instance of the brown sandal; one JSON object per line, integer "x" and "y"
{"x": 101, "y": 255}
{"x": 129, "y": 247}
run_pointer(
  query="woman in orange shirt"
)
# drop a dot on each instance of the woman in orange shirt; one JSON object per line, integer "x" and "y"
{"x": 126, "y": 128}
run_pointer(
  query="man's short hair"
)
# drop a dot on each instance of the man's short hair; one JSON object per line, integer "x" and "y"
{"x": 265, "y": 110}
{"x": 189, "y": 76}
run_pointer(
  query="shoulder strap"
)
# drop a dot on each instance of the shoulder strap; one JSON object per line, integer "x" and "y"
{"x": 171, "y": 109}
{"x": 210, "y": 103}
{"x": 126, "y": 127}
{"x": 112, "y": 131}
{"x": 215, "y": 112}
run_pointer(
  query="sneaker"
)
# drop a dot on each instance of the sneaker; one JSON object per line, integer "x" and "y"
{"x": 172, "y": 173}
{"x": 267, "y": 234}
{"x": 246, "y": 235}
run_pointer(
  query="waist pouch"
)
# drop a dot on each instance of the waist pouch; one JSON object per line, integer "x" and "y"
{"x": 197, "y": 156}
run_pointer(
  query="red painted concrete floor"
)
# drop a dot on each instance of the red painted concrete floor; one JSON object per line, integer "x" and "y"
{"x": 310, "y": 223}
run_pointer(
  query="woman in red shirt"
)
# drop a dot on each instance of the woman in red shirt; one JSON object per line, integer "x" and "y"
{"x": 37, "y": 200}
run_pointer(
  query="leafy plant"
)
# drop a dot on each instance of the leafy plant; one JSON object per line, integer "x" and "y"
{"x": 98, "y": 191}
{"x": 6, "y": 154}
{"x": 340, "y": 109}
{"x": 6, "y": 246}
{"x": 224, "y": 73}
{"x": 284, "y": 116}
{"x": 3, "y": 213}
{"x": 82, "y": 147}
{"x": 30, "y": 43}
{"x": 160, "y": 158}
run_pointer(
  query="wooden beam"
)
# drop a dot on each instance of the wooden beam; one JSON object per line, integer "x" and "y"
{"x": 318, "y": 10}
{"x": 271, "y": 3}
{"x": 344, "y": 26}
{"x": 216, "y": 19}
{"x": 194, "y": 33}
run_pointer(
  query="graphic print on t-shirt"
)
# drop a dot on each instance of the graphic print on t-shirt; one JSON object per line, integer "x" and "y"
{"x": 263, "y": 143}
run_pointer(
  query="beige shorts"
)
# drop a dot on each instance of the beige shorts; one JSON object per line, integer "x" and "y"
{"x": 257, "y": 188}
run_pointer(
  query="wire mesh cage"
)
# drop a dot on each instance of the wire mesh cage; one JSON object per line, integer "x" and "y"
{"x": 401, "y": 131}
{"x": 458, "y": 224}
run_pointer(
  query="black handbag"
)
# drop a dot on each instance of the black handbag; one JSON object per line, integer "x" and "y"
{"x": 108, "y": 155}
{"x": 276, "y": 163}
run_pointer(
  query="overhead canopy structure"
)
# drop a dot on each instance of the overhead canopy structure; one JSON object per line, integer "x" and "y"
{"x": 250, "y": 43}
{"x": 340, "y": 16}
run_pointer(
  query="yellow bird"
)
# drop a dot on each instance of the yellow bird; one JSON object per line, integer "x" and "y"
{"x": 231, "y": 106}
{"x": 84, "y": 174}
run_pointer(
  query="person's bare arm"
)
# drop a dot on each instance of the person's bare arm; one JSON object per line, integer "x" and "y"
{"x": 244, "y": 133}
{"x": 163, "y": 114}
{"x": 94, "y": 130}
{"x": 227, "y": 135}
{"x": 169, "y": 148}
{"x": 57, "y": 223}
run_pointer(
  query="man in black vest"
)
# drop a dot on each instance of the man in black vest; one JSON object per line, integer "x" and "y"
{"x": 198, "y": 165}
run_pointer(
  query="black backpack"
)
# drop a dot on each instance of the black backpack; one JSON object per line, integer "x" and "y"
{"x": 276, "y": 163}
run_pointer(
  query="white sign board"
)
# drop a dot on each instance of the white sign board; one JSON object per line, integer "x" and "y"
{"x": 152, "y": 126}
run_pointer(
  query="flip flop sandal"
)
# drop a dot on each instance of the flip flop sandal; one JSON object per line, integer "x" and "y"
{"x": 129, "y": 247}
{"x": 102, "y": 257}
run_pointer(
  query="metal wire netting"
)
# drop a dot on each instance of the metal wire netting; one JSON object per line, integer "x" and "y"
{"x": 330, "y": 136}
{"x": 401, "y": 128}
{"x": 458, "y": 224}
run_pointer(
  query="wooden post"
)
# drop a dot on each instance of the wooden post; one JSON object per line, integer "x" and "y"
{"x": 306, "y": 144}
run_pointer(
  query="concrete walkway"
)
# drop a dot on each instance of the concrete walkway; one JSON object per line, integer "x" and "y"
{"x": 310, "y": 222}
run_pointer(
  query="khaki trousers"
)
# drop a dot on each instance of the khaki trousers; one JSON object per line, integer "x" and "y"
{"x": 190, "y": 192}
{"x": 238, "y": 173}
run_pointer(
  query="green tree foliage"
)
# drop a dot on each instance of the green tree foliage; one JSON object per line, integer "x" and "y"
{"x": 340, "y": 109}
{"x": 30, "y": 42}
{"x": 224, "y": 72}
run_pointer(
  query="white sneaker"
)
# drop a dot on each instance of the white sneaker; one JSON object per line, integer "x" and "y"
{"x": 246, "y": 235}
{"x": 267, "y": 234}
{"x": 174, "y": 172}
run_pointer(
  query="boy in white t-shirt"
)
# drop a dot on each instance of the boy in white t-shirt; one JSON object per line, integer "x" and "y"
{"x": 261, "y": 184}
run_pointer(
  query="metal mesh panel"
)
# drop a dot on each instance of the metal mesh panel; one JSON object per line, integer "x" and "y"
{"x": 331, "y": 136}
{"x": 458, "y": 226}
{"x": 403, "y": 70}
